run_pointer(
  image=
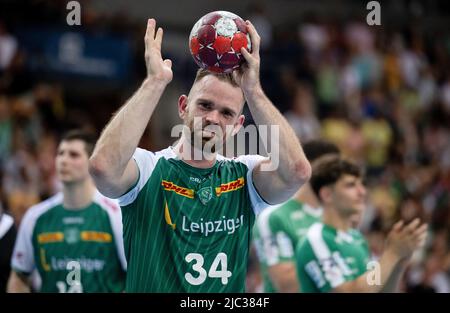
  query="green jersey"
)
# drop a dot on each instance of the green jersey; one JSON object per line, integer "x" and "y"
{"x": 188, "y": 229}
{"x": 73, "y": 250}
{"x": 327, "y": 258}
{"x": 276, "y": 233}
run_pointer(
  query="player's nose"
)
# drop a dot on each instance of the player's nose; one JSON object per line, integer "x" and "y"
{"x": 213, "y": 117}
{"x": 362, "y": 190}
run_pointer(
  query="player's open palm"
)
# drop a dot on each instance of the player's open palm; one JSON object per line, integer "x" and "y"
{"x": 403, "y": 240}
{"x": 156, "y": 67}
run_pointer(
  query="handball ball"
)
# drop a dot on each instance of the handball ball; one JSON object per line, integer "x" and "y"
{"x": 216, "y": 39}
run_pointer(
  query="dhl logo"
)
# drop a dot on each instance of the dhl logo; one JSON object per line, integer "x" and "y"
{"x": 50, "y": 237}
{"x": 169, "y": 186}
{"x": 95, "y": 236}
{"x": 231, "y": 186}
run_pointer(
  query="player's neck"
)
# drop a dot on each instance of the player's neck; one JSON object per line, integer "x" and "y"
{"x": 307, "y": 196}
{"x": 193, "y": 156}
{"x": 332, "y": 218}
{"x": 79, "y": 195}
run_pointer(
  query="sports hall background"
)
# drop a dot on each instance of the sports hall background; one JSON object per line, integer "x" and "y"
{"x": 382, "y": 93}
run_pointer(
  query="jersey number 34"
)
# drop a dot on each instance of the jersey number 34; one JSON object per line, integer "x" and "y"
{"x": 214, "y": 272}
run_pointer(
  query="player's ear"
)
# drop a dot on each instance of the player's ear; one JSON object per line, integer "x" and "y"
{"x": 182, "y": 106}
{"x": 325, "y": 194}
{"x": 238, "y": 124}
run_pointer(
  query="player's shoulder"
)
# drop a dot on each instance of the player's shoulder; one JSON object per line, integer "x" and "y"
{"x": 318, "y": 234}
{"x": 37, "y": 210}
{"x": 249, "y": 160}
{"x": 265, "y": 220}
{"x": 357, "y": 236}
{"x": 166, "y": 153}
{"x": 109, "y": 205}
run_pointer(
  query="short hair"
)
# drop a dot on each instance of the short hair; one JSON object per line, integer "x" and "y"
{"x": 316, "y": 148}
{"x": 228, "y": 77}
{"x": 88, "y": 138}
{"x": 328, "y": 169}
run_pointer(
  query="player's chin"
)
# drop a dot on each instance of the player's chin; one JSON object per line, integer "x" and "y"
{"x": 359, "y": 207}
{"x": 66, "y": 178}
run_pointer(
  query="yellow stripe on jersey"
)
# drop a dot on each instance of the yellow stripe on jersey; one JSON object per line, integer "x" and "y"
{"x": 167, "y": 217}
{"x": 95, "y": 236}
{"x": 44, "y": 263}
{"x": 50, "y": 237}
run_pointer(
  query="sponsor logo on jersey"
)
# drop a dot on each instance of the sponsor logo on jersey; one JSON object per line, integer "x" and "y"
{"x": 50, "y": 237}
{"x": 96, "y": 236}
{"x": 230, "y": 186}
{"x": 313, "y": 270}
{"x": 195, "y": 179}
{"x": 73, "y": 220}
{"x": 185, "y": 192}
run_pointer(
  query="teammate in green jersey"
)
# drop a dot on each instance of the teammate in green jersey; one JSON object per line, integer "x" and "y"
{"x": 187, "y": 220}
{"x": 334, "y": 256}
{"x": 278, "y": 229}
{"x": 73, "y": 239}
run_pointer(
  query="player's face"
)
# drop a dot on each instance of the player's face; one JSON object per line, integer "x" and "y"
{"x": 212, "y": 111}
{"x": 349, "y": 196}
{"x": 72, "y": 161}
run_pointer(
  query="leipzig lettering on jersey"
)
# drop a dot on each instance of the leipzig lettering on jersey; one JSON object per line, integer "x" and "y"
{"x": 208, "y": 227}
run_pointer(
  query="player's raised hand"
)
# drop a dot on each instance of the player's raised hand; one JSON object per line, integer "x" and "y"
{"x": 403, "y": 240}
{"x": 247, "y": 76}
{"x": 157, "y": 68}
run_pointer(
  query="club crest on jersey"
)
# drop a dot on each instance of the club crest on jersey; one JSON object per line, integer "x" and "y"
{"x": 72, "y": 235}
{"x": 205, "y": 194}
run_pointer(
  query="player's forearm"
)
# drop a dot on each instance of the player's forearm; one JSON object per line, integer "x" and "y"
{"x": 376, "y": 280}
{"x": 293, "y": 164}
{"x": 17, "y": 284}
{"x": 284, "y": 277}
{"x": 392, "y": 284}
{"x": 121, "y": 136}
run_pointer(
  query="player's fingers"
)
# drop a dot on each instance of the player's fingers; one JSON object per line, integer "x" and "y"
{"x": 254, "y": 37}
{"x": 248, "y": 56}
{"x": 168, "y": 62}
{"x": 397, "y": 226}
{"x": 150, "y": 32}
{"x": 411, "y": 227}
{"x": 421, "y": 240}
{"x": 158, "y": 38}
{"x": 235, "y": 75}
{"x": 421, "y": 230}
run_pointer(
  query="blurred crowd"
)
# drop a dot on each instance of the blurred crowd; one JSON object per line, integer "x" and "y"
{"x": 382, "y": 94}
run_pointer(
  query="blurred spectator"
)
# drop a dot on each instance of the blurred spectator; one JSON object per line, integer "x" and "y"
{"x": 8, "y": 47}
{"x": 259, "y": 19}
{"x": 301, "y": 116}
